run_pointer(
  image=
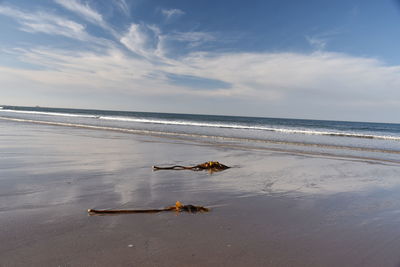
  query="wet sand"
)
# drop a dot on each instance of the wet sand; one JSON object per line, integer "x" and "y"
{"x": 271, "y": 209}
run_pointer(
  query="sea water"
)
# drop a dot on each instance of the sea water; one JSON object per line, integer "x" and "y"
{"x": 366, "y": 140}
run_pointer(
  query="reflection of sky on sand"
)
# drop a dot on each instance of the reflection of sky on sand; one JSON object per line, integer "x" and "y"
{"x": 269, "y": 173}
{"x": 45, "y": 165}
{"x": 255, "y": 172}
{"x": 280, "y": 173}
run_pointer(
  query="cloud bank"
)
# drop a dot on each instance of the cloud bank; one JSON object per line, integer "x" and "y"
{"x": 138, "y": 65}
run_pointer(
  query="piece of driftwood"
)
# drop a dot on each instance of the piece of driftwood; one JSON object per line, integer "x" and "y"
{"x": 209, "y": 165}
{"x": 179, "y": 207}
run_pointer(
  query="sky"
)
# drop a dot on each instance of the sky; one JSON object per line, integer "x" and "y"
{"x": 312, "y": 59}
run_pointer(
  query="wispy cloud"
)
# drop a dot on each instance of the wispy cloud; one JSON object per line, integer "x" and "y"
{"x": 148, "y": 40}
{"x": 262, "y": 76}
{"x": 319, "y": 41}
{"x": 123, "y": 6}
{"x": 270, "y": 81}
{"x": 143, "y": 40}
{"x": 41, "y": 22}
{"x": 194, "y": 38}
{"x": 84, "y": 10}
{"x": 172, "y": 13}
{"x": 316, "y": 43}
{"x": 87, "y": 13}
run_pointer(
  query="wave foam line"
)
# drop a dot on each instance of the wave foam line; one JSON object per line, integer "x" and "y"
{"x": 174, "y": 134}
{"x": 216, "y": 125}
{"x": 246, "y": 127}
{"x": 48, "y": 113}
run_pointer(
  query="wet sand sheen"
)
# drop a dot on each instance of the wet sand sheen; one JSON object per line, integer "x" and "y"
{"x": 273, "y": 208}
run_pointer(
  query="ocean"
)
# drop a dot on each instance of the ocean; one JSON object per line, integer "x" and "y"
{"x": 361, "y": 140}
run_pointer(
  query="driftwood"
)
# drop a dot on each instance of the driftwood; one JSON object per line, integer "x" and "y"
{"x": 212, "y": 166}
{"x": 179, "y": 207}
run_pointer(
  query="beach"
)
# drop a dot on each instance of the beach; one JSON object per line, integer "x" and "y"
{"x": 199, "y": 133}
{"x": 272, "y": 208}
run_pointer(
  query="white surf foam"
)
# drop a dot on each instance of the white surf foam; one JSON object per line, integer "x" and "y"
{"x": 248, "y": 127}
{"x": 215, "y": 125}
{"x": 207, "y": 137}
{"x": 48, "y": 113}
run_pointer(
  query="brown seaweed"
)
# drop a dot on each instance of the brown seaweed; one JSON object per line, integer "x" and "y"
{"x": 179, "y": 207}
{"x": 212, "y": 166}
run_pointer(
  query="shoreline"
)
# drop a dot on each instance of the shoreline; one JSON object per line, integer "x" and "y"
{"x": 272, "y": 209}
{"x": 224, "y": 141}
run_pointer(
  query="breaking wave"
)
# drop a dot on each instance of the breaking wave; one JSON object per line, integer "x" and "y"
{"x": 217, "y": 124}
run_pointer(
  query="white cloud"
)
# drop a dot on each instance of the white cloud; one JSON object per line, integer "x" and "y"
{"x": 79, "y": 70}
{"x": 161, "y": 49}
{"x": 144, "y": 40}
{"x": 149, "y": 42}
{"x": 87, "y": 13}
{"x": 123, "y": 6}
{"x": 84, "y": 10}
{"x": 194, "y": 38}
{"x": 317, "y": 43}
{"x": 172, "y": 13}
{"x": 289, "y": 84}
{"x": 278, "y": 84}
{"x": 320, "y": 40}
{"x": 271, "y": 76}
{"x": 266, "y": 76}
{"x": 46, "y": 23}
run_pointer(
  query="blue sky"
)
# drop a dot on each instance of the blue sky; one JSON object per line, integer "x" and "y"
{"x": 314, "y": 59}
